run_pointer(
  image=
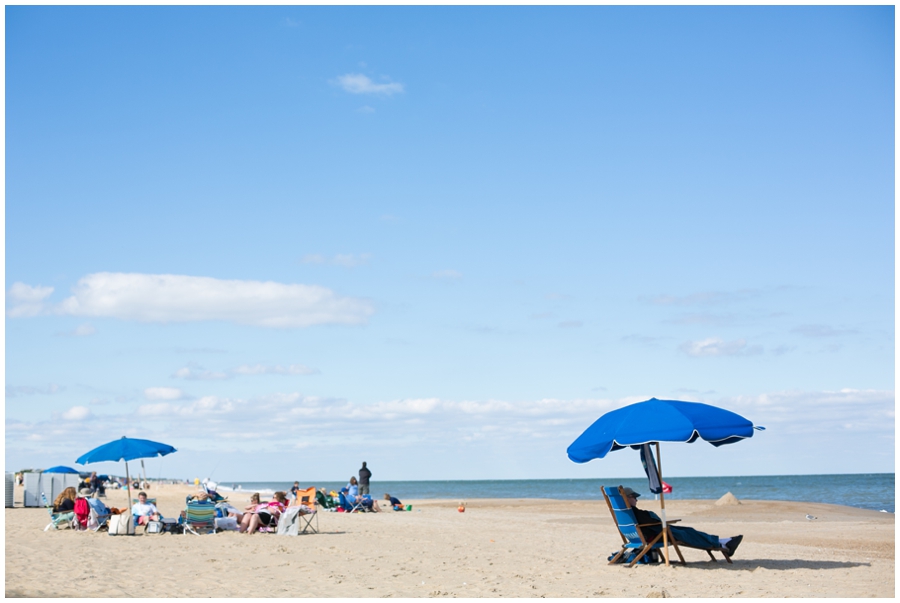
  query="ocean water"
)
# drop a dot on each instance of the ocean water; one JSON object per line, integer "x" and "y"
{"x": 865, "y": 490}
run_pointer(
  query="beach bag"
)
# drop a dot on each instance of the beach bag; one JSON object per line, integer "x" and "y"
{"x": 121, "y": 525}
{"x": 227, "y": 523}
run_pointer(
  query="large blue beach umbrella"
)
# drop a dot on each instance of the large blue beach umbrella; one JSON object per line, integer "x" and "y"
{"x": 655, "y": 421}
{"x": 60, "y": 469}
{"x": 125, "y": 449}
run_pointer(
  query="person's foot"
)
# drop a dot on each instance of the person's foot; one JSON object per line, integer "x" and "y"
{"x": 733, "y": 544}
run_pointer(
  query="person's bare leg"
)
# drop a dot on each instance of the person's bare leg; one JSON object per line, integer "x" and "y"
{"x": 254, "y": 524}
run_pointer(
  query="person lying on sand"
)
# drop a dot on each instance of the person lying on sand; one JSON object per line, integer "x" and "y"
{"x": 688, "y": 536}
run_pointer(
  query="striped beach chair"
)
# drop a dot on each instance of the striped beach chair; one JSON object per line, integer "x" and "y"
{"x": 199, "y": 517}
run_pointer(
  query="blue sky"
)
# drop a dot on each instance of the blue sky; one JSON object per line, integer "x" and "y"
{"x": 445, "y": 240}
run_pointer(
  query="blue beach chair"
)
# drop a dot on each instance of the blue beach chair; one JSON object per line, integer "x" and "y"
{"x": 633, "y": 541}
{"x": 348, "y": 506}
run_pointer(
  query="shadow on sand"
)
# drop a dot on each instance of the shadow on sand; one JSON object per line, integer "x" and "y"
{"x": 774, "y": 564}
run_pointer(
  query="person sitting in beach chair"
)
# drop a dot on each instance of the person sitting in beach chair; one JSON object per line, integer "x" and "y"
{"x": 99, "y": 512}
{"x": 143, "y": 511}
{"x": 212, "y": 494}
{"x": 349, "y": 505}
{"x": 251, "y": 508}
{"x": 199, "y": 515}
{"x": 62, "y": 513}
{"x": 264, "y": 515}
{"x": 352, "y": 488}
{"x": 651, "y": 526}
{"x": 324, "y": 500}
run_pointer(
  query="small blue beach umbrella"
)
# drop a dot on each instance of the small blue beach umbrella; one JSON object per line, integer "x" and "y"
{"x": 125, "y": 449}
{"x": 654, "y": 421}
{"x": 60, "y": 469}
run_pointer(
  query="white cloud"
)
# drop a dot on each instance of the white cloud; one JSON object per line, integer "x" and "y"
{"x": 163, "y": 393}
{"x": 365, "y": 109}
{"x": 198, "y": 373}
{"x": 194, "y": 372}
{"x": 176, "y": 298}
{"x": 26, "y": 390}
{"x": 84, "y": 330}
{"x": 259, "y": 369}
{"x": 431, "y": 427}
{"x": 818, "y": 411}
{"x": 77, "y": 413}
{"x": 357, "y": 83}
{"x": 204, "y": 407}
{"x": 25, "y": 300}
{"x": 714, "y": 346}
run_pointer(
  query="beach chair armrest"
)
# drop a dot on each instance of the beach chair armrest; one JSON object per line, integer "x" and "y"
{"x": 658, "y": 523}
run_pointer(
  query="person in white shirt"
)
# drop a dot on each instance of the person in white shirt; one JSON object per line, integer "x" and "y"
{"x": 143, "y": 511}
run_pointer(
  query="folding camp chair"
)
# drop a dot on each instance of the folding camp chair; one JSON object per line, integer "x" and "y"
{"x": 290, "y": 520}
{"x": 308, "y": 499}
{"x": 325, "y": 501}
{"x": 199, "y": 517}
{"x": 348, "y": 506}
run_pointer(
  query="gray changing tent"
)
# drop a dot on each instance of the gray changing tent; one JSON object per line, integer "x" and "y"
{"x": 51, "y": 484}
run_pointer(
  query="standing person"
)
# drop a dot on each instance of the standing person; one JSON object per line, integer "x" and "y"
{"x": 294, "y": 490}
{"x": 94, "y": 482}
{"x": 364, "y": 475}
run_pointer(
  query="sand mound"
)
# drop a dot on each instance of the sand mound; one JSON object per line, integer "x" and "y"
{"x": 728, "y": 499}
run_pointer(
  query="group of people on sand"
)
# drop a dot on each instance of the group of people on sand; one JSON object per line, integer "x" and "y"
{"x": 356, "y": 493}
{"x": 257, "y": 514}
{"x": 261, "y": 514}
{"x": 65, "y": 508}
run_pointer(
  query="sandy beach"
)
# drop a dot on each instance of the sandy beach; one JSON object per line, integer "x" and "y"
{"x": 497, "y": 548}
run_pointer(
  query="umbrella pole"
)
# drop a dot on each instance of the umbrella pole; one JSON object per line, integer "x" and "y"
{"x": 662, "y": 507}
{"x": 128, "y": 484}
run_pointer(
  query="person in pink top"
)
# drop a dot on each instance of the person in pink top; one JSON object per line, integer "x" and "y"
{"x": 265, "y": 514}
